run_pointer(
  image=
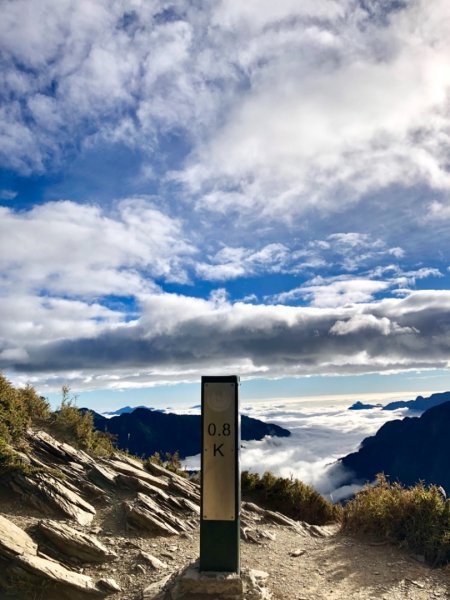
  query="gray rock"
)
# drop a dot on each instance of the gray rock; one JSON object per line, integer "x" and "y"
{"x": 152, "y": 591}
{"x": 141, "y": 517}
{"x": 102, "y": 474}
{"x": 127, "y": 469}
{"x": 75, "y": 544}
{"x": 14, "y": 541}
{"x": 47, "y": 493}
{"x": 154, "y": 562}
{"x": 52, "y": 449}
{"x": 250, "y": 535}
{"x": 297, "y": 552}
{"x": 165, "y": 513}
{"x": 109, "y": 585}
{"x": 37, "y": 570}
{"x": 28, "y": 568}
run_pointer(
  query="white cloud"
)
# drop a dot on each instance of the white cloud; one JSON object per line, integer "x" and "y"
{"x": 230, "y": 263}
{"x": 321, "y": 127}
{"x": 178, "y": 338}
{"x": 320, "y": 435}
{"x": 82, "y": 250}
{"x": 335, "y": 292}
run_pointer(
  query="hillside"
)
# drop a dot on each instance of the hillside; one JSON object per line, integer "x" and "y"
{"x": 143, "y": 432}
{"x": 112, "y": 528}
{"x": 407, "y": 450}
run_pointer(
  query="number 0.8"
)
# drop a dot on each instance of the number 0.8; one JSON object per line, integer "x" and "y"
{"x": 226, "y": 429}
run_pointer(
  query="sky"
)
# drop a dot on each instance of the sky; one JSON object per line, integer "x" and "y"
{"x": 193, "y": 188}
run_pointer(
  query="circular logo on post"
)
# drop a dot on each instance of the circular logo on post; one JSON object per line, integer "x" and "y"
{"x": 220, "y": 396}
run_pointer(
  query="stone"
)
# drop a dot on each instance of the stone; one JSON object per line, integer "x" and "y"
{"x": 268, "y": 535}
{"x": 163, "y": 513}
{"x": 154, "y": 562}
{"x": 45, "y": 492}
{"x": 102, "y": 474}
{"x": 254, "y": 584}
{"x": 139, "y": 517}
{"x": 297, "y": 552}
{"x": 184, "y": 489}
{"x": 211, "y": 585}
{"x": 250, "y": 535}
{"x": 69, "y": 541}
{"x": 190, "y": 505}
{"x": 127, "y": 469}
{"x": 52, "y": 448}
{"x": 108, "y": 584}
{"x": 36, "y": 570}
{"x": 152, "y": 591}
{"x": 14, "y": 541}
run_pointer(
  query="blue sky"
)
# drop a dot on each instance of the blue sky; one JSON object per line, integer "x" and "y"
{"x": 255, "y": 188}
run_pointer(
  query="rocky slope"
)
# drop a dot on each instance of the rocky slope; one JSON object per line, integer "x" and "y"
{"x": 109, "y": 528}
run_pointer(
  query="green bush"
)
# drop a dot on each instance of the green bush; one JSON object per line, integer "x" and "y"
{"x": 417, "y": 517}
{"x": 11, "y": 461}
{"x": 77, "y": 428}
{"x": 288, "y": 496}
{"x": 19, "y": 408}
{"x": 172, "y": 462}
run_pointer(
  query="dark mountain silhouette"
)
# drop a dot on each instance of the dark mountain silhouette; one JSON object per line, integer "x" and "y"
{"x": 125, "y": 409}
{"x": 143, "y": 431}
{"x": 360, "y": 406}
{"x": 407, "y": 450}
{"x": 420, "y": 404}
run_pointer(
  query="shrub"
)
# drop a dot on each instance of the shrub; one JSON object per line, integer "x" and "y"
{"x": 290, "y": 497}
{"x": 172, "y": 462}
{"x": 37, "y": 407}
{"x": 14, "y": 419}
{"x": 11, "y": 461}
{"x": 77, "y": 428}
{"x": 417, "y": 517}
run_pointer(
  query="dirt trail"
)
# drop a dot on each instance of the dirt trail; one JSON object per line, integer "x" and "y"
{"x": 339, "y": 567}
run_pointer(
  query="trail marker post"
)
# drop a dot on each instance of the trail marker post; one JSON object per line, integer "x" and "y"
{"x": 220, "y": 481}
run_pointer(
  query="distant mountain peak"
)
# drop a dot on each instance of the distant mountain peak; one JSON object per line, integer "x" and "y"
{"x": 124, "y": 410}
{"x": 409, "y": 450}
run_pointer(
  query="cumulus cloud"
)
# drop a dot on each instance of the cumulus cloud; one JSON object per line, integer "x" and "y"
{"x": 83, "y": 250}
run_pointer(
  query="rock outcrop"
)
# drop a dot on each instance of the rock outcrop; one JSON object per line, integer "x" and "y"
{"x": 82, "y": 546}
{"x": 72, "y": 487}
{"x": 21, "y": 559}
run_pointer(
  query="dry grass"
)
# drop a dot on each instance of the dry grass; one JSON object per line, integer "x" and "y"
{"x": 417, "y": 517}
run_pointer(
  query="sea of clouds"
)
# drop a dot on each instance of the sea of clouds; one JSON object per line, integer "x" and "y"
{"x": 322, "y": 431}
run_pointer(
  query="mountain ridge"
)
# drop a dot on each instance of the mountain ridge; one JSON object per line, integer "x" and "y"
{"x": 409, "y": 450}
{"x": 143, "y": 432}
{"x": 420, "y": 403}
